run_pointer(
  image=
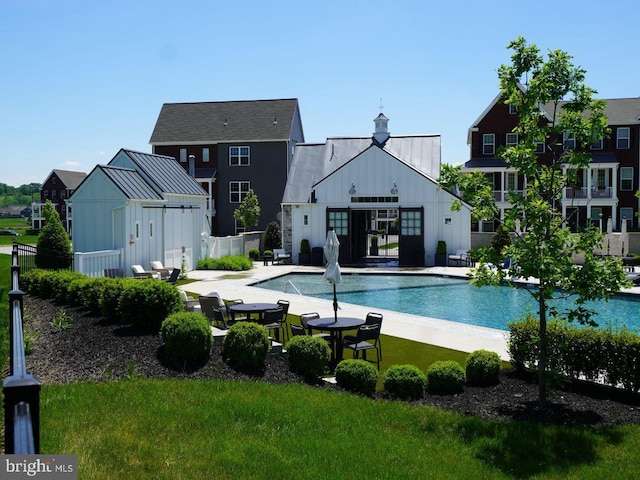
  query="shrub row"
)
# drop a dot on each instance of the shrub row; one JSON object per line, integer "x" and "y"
{"x": 409, "y": 382}
{"x": 143, "y": 304}
{"x": 579, "y": 352}
{"x": 230, "y": 262}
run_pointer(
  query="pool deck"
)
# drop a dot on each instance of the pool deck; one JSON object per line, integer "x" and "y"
{"x": 457, "y": 336}
{"x": 443, "y": 333}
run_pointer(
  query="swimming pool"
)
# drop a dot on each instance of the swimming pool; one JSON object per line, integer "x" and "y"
{"x": 446, "y": 298}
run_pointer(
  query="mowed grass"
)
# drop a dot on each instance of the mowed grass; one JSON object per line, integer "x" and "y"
{"x": 173, "y": 429}
{"x": 20, "y": 225}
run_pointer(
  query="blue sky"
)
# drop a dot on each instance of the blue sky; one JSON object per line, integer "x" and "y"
{"x": 82, "y": 79}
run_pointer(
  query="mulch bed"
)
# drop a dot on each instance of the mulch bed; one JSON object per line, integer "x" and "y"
{"x": 97, "y": 349}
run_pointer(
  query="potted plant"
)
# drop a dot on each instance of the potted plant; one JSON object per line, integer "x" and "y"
{"x": 441, "y": 254}
{"x": 373, "y": 249}
{"x": 304, "y": 257}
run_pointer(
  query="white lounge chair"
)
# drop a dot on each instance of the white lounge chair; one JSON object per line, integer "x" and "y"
{"x": 461, "y": 257}
{"x": 156, "y": 266}
{"x": 280, "y": 256}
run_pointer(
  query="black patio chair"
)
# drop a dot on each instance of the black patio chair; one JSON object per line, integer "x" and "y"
{"x": 297, "y": 330}
{"x": 367, "y": 338}
{"x": 284, "y": 304}
{"x": 305, "y": 317}
{"x": 211, "y": 309}
{"x": 372, "y": 318}
{"x": 273, "y": 320}
{"x": 173, "y": 277}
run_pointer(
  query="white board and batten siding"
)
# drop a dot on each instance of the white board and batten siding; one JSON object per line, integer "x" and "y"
{"x": 372, "y": 174}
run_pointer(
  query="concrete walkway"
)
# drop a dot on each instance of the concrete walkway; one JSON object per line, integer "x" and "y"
{"x": 457, "y": 336}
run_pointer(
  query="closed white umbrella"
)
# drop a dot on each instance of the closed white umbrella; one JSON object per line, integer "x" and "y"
{"x": 624, "y": 237}
{"x": 332, "y": 272}
{"x": 609, "y": 233}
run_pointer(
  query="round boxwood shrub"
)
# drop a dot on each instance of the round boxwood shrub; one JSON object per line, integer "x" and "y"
{"x": 187, "y": 337}
{"x": 483, "y": 368}
{"x": 254, "y": 254}
{"x": 445, "y": 377}
{"x": 246, "y": 345}
{"x": 308, "y": 356}
{"x": 358, "y": 376}
{"x": 404, "y": 381}
{"x": 144, "y": 304}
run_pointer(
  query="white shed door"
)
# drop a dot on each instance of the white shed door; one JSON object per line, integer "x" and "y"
{"x": 178, "y": 238}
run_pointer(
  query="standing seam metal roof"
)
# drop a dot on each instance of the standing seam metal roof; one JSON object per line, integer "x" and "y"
{"x": 166, "y": 173}
{"x": 130, "y": 182}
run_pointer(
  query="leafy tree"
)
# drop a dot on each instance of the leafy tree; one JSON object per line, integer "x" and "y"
{"x": 543, "y": 246}
{"x": 54, "y": 245}
{"x": 272, "y": 236}
{"x": 249, "y": 211}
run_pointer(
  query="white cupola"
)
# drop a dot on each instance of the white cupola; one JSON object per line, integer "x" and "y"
{"x": 381, "y": 133}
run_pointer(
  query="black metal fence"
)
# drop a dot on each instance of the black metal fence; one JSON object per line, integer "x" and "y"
{"x": 21, "y": 390}
{"x": 30, "y": 257}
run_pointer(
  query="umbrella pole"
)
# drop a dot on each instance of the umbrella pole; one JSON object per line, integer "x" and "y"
{"x": 335, "y": 304}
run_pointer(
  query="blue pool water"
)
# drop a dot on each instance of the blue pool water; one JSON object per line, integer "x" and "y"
{"x": 446, "y": 298}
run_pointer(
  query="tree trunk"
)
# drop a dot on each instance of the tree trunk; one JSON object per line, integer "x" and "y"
{"x": 542, "y": 359}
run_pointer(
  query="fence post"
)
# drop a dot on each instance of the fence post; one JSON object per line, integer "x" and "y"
{"x": 18, "y": 389}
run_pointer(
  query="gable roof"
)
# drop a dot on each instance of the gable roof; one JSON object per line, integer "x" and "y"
{"x": 70, "y": 178}
{"x": 312, "y": 163}
{"x": 164, "y": 173}
{"x": 619, "y": 111}
{"x": 130, "y": 182}
{"x": 212, "y": 122}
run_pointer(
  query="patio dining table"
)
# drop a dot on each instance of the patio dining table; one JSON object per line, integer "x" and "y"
{"x": 249, "y": 309}
{"x": 335, "y": 327}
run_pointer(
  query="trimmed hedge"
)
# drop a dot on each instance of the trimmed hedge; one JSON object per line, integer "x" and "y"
{"x": 404, "y": 381}
{"x": 358, "y": 376}
{"x": 246, "y": 345}
{"x": 146, "y": 303}
{"x": 187, "y": 337}
{"x": 586, "y": 353}
{"x": 230, "y": 262}
{"x": 308, "y": 356}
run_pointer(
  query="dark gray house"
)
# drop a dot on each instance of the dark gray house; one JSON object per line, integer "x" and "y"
{"x": 231, "y": 147}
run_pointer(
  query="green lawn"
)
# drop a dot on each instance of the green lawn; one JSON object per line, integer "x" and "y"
{"x": 20, "y": 225}
{"x": 173, "y": 429}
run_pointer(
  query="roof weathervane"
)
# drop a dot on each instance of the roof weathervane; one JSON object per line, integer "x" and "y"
{"x": 380, "y": 106}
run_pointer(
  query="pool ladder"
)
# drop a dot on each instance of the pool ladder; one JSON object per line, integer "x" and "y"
{"x": 289, "y": 282}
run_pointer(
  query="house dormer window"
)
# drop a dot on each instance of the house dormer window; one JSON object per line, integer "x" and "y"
{"x": 513, "y": 110}
{"x": 488, "y": 144}
{"x": 239, "y": 156}
{"x": 623, "y": 138}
